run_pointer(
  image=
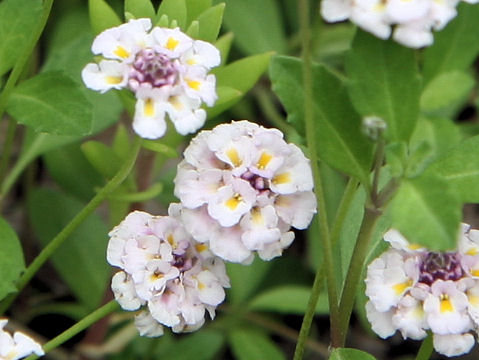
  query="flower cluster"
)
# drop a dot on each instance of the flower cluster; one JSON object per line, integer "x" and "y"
{"x": 413, "y": 20}
{"x": 172, "y": 278}
{"x": 413, "y": 290}
{"x": 241, "y": 188}
{"x": 18, "y": 346}
{"x": 166, "y": 69}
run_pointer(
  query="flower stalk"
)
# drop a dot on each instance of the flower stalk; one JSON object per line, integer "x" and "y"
{"x": 303, "y": 6}
{"x": 84, "y": 323}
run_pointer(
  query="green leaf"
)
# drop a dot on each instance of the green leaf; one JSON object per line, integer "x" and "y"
{"x": 195, "y": 8}
{"x": 460, "y": 168}
{"x": 51, "y": 102}
{"x": 427, "y": 211}
{"x": 193, "y": 30}
{"x": 159, "y": 147}
{"x": 253, "y": 37}
{"x": 288, "y": 299}
{"x": 340, "y": 141}
{"x": 175, "y": 10}
{"x": 223, "y": 44}
{"x": 249, "y": 344}
{"x": 245, "y": 279}
{"x": 102, "y": 157}
{"x": 152, "y": 192}
{"x": 140, "y": 8}
{"x": 350, "y": 354}
{"x": 455, "y": 47}
{"x": 210, "y": 23}
{"x": 121, "y": 142}
{"x": 446, "y": 90}
{"x": 442, "y": 134}
{"x": 242, "y": 74}
{"x": 384, "y": 81}
{"x": 227, "y": 97}
{"x": 102, "y": 16}
{"x": 11, "y": 259}
{"x": 71, "y": 170}
{"x": 81, "y": 259}
{"x": 19, "y": 19}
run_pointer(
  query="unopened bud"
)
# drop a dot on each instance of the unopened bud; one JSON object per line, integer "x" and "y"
{"x": 373, "y": 127}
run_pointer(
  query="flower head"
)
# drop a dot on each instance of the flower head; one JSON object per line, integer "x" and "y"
{"x": 17, "y": 346}
{"x": 411, "y": 22}
{"x": 164, "y": 271}
{"x": 165, "y": 69}
{"x": 413, "y": 290}
{"x": 241, "y": 188}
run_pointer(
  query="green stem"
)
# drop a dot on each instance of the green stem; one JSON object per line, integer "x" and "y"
{"x": 7, "y": 147}
{"x": 24, "y": 56}
{"x": 84, "y": 323}
{"x": 303, "y": 6}
{"x": 355, "y": 269}
{"x": 378, "y": 163}
{"x": 74, "y": 223}
{"x": 426, "y": 348}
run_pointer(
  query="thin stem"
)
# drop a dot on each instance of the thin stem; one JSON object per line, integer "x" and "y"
{"x": 24, "y": 56}
{"x": 74, "y": 223}
{"x": 426, "y": 348}
{"x": 7, "y": 147}
{"x": 378, "y": 163}
{"x": 303, "y": 6}
{"x": 84, "y": 323}
{"x": 355, "y": 269}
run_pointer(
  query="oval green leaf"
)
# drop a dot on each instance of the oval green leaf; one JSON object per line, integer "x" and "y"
{"x": 51, "y": 102}
{"x": 11, "y": 259}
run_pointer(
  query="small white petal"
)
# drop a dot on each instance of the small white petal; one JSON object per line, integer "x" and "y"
{"x": 124, "y": 291}
{"x": 105, "y": 76}
{"x": 149, "y": 120}
{"x": 335, "y": 10}
{"x": 147, "y": 326}
{"x": 381, "y": 322}
{"x": 453, "y": 344}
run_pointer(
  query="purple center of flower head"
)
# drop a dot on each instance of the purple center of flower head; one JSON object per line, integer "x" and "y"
{"x": 152, "y": 69}
{"x": 257, "y": 182}
{"x": 444, "y": 266}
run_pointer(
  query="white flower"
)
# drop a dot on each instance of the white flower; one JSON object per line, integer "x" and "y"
{"x": 410, "y": 318}
{"x": 414, "y": 290}
{"x": 173, "y": 278}
{"x": 18, "y": 346}
{"x": 412, "y": 20}
{"x": 242, "y": 187}
{"x": 166, "y": 69}
{"x": 446, "y": 309}
{"x": 387, "y": 280}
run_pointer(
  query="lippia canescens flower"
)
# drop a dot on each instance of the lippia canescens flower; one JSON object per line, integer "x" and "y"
{"x": 411, "y": 22}
{"x": 165, "y": 69}
{"x": 165, "y": 273}
{"x": 414, "y": 290}
{"x": 242, "y": 188}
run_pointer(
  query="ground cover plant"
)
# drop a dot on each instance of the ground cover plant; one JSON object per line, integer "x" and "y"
{"x": 239, "y": 179}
